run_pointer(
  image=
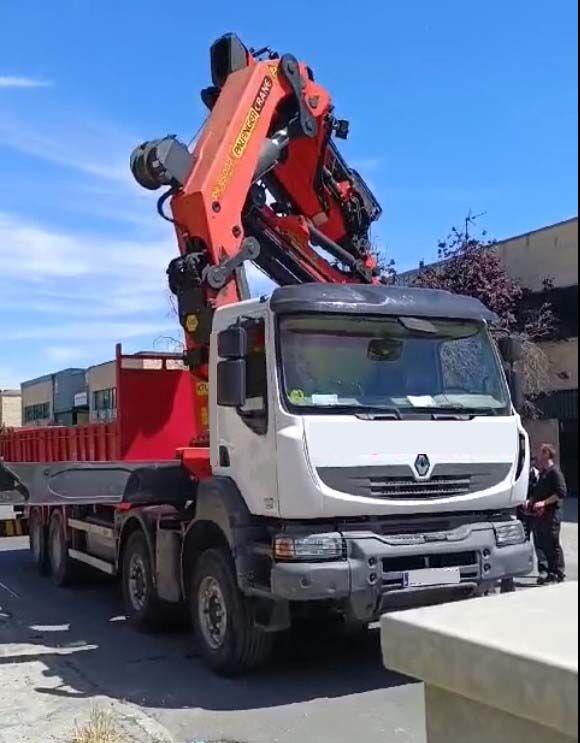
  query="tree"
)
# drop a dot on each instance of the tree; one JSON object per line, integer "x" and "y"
{"x": 469, "y": 265}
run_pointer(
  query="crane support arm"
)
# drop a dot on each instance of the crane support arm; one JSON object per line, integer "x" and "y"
{"x": 265, "y": 183}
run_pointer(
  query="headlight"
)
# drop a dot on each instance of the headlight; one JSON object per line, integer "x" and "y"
{"x": 314, "y": 547}
{"x": 512, "y": 532}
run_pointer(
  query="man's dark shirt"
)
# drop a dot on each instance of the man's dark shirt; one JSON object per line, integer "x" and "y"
{"x": 551, "y": 482}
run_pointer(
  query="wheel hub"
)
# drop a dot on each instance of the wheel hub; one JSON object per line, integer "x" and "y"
{"x": 213, "y": 616}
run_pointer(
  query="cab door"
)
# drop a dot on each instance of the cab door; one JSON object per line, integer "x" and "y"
{"x": 244, "y": 445}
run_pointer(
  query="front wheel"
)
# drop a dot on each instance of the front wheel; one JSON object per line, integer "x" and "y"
{"x": 225, "y": 631}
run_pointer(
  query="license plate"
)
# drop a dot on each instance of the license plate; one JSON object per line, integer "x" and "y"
{"x": 433, "y": 577}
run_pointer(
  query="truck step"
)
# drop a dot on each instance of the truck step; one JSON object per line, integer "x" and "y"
{"x": 93, "y": 562}
{"x": 105, "y": 532}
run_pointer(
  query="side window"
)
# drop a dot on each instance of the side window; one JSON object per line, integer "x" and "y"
{"x": 255, "y": 412}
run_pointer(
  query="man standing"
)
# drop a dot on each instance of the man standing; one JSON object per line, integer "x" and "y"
{"x": 547, "y": 501}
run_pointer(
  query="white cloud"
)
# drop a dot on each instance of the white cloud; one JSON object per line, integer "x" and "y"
{"x": 23, "y": 82}
{"x": 34, "y": 253}
{"x": 69, "y": 293}
{"x": 91, "y": 332}
{"x": 90, "y": 147}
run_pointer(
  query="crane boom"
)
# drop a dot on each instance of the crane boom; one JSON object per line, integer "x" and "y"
{"x": 265, "y": 183}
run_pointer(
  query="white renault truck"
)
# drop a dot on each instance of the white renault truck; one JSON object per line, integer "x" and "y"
{"x": 340, "y": 448}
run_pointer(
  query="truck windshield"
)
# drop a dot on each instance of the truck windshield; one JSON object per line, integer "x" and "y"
{"x": 406, "y": 366}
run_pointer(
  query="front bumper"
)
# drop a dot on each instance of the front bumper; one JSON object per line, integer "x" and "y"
{"x": 371, "y": 580}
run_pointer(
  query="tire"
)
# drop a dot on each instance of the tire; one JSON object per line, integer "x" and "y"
{"x": 226, "y": 636}
{"x": 508, "y": 585}
{"x": 353, "y": 630}
{"x": 143, "y": 608}
{"x": 38, "y": 543}
{"x": 62, "y": 568}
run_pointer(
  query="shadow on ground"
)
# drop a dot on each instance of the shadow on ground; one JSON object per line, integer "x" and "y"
{"x": 88, "y": 649}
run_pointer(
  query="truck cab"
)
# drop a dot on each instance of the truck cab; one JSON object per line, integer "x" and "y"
{"x": 369, "y": 437}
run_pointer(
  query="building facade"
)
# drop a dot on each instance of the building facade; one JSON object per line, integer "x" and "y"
{"x": 550, "y": 254}
{"x": 50, "y": 400}
{"x": 10, "y": 409}
{"x": 102, "y": 392}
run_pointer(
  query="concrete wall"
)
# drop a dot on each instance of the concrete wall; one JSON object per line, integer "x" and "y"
{"x": 543, "y": 432}
{"x": 492, "y": 671}
{"x": 551, "y": 252}
{"x": 10, "y": 409}
{"x": 563, "y": 358}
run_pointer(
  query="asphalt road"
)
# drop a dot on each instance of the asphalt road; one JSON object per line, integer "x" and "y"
{"x": 65, "y": 648}
{"x": 79, "y": 646}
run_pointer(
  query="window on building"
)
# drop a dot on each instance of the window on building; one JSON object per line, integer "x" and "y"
{"x": 104, "y": 407}
{"x": 38, "y": 412}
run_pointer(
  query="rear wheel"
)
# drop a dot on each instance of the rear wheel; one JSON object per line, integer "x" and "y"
{"x": 38, "y": 546}
{"x": 61, "y": 566}
{"x": 225, "y": 631}
{"x": 143, "y": 608}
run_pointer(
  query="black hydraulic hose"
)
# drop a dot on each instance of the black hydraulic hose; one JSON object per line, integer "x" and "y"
{"x": 320, "y": 239}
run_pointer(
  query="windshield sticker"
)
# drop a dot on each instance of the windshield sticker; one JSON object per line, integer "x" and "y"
{"x": 297, "y": 397}
{"x": 422, "y": 401}
{"x": 325, "y": 400}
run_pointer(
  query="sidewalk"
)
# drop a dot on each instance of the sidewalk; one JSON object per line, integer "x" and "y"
{"x": 38, "y": 707}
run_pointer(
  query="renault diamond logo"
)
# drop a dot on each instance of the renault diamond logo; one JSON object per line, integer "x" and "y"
{"x": 422, "y": 465}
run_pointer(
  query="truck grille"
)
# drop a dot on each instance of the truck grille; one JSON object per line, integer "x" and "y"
{"x": 399, "y": 482}
{"x": 408, "y": 487}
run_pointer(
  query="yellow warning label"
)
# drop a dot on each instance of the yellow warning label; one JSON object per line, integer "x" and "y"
{"x": 205, "y": 417}
{"x": 246, "y": 134}
{"x": 223, "y": 181}
{"x": 191, "y": 323}
{"x": 244, "y": 137}
{"x": 202, "y": 389}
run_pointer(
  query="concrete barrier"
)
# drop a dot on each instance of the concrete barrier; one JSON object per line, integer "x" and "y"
{"x": 499, "y": 669}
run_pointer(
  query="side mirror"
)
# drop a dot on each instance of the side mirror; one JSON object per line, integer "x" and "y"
{"x": 511, "y": 348}
{"x": 517, "y": 389}
{"x": 233, "y": 343}
{"x": 232, "y": 383}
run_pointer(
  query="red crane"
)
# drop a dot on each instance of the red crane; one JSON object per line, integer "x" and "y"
{"x": 265, "y": 183}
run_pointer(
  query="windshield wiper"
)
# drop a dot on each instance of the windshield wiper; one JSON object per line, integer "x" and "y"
{"x": 379, "y": 414}
{"x": 459, "y": 412}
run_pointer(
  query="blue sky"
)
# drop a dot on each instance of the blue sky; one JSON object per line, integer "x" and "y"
{"x": 454, "y": 106}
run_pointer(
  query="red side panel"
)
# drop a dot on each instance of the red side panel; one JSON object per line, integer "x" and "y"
{"x": 95, "y": 443}
{"x": 156, "y": 402}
